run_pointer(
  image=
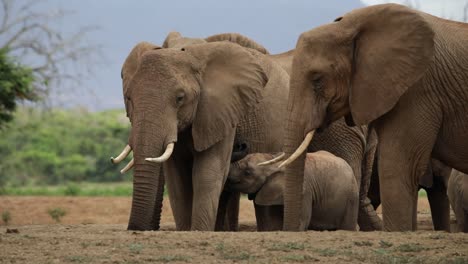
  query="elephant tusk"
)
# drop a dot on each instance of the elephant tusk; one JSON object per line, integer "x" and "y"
{"x": 274, "y": 160}
{"x": 165, "y": 156}
{"x": 299, "y": 150}
{"x": 122, "y": 155}
{"x": 128, "y": 167}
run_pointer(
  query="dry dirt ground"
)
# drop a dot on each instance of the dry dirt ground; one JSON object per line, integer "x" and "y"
{"x": 93, "y": 231}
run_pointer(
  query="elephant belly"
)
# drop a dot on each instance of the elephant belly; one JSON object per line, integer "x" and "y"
{"x": 452, "y": 145}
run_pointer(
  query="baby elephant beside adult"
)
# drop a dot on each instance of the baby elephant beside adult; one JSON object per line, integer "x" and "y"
{"x": 330, "y": 191}
{"x": 457, "y": 191}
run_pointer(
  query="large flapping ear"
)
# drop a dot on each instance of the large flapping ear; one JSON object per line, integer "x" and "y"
{"x": 271, "y": 192}
{"x": 393, "y": 47}
{"x": 239, "y": 39}
{"x": 132, "y": 61}
{"x": 231, "y": 85}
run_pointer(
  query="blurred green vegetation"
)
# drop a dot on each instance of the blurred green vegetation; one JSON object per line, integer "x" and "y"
{"x": 73, "y": 189}
{"x": 51, "y": 147}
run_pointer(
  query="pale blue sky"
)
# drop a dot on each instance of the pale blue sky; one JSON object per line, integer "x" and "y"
{"x": 276, "y": 24}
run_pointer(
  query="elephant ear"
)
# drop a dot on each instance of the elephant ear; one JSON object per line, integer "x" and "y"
{"x": 393, "y": 47}
{"x": 272, "y": 192}
{"x": 231, "y": 83}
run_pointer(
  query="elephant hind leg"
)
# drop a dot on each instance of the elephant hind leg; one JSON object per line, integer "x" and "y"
{"x": 439, "y": 203}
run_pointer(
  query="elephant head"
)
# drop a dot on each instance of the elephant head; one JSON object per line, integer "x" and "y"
{"x": 203, "y": 89}
{"x": 357, "y": 67}
{"x": 263, "y": 183}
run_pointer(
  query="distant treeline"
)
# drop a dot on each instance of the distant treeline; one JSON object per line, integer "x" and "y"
{"x": 59, "y": 146}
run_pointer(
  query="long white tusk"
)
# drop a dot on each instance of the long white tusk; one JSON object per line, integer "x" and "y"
{"x": 274, "y": 160}
{"x": 128, "y": 167}
{"x": 165, "y": 156}
{"x": 122, "y": 155}
{"x": 299, "y": 150}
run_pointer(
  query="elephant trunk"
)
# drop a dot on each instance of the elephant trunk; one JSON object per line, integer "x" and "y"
{"x": 148, "y": 179}
{"x": 299, "y": 124}
{"x": 294, "y": 174}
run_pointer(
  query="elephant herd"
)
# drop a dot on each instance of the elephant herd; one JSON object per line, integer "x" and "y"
{"x": 366, "y": 110}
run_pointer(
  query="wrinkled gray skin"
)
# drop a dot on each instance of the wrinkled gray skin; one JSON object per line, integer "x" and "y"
{"x": 434, "y": 182}
{"x": 331, "y": 194}
{"x": 201, "y": 97}
{"x": 458, "y": 195}
{"x": 397, "y": 69}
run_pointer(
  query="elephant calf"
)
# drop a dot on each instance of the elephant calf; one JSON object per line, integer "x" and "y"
{"x": 457, "y": 191}
{"x": 331, "y": 194}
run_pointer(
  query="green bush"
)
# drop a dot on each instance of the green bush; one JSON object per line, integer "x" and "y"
{"x": 57, "y": 214}
{"x": 61, "y": 146}
{"x": 6, "y": 217}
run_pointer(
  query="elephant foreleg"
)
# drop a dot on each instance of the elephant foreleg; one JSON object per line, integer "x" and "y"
{"x": 177, "y": 171}
{"x": 210, "y": 169}
{"x": 404, "y": 155}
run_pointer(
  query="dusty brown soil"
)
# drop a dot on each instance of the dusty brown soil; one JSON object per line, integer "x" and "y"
{"x": 93, "y": 231}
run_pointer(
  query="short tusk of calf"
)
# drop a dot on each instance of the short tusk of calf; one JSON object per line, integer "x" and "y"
{"x": 299, "y": 150}
{"x": 128, "y": 167}
{"x": 122, "y": 155}
{"x": 274, "y": 160}
{"x": 165, "y": 156}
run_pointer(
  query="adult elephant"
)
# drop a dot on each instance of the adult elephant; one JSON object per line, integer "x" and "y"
{"x": 187, "y": 105}
{"x": 400, "y": 70}
{"x": 228, "y": 210}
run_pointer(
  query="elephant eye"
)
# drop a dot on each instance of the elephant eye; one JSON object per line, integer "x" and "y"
{"x": 317, "y": 82}
{"x": 180, "y": 98}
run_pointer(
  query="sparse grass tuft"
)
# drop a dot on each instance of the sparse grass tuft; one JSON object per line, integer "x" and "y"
{"x": 57, "y": 214}
{"x": 363, "y": 243}
{"x": 385, "y": 244}
{"x": 233, "y": 254}
{"x": 6, "y": 217}
{"x": 287, "y": 247}
{"x": 135, "y": 248}
{"x": 327, "y": 252}
{"x": 410, "y": 247}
